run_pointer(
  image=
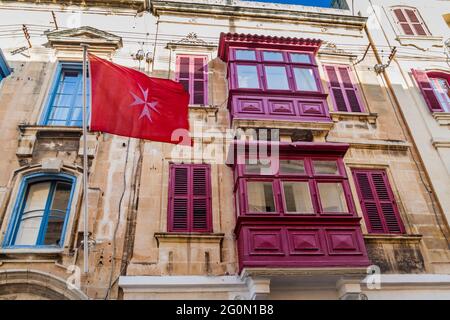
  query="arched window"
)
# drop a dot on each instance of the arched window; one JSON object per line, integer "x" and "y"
{"x": 409, "y": 21}
{"x": 435, "y": 87}
{"x": 41, "y": 211}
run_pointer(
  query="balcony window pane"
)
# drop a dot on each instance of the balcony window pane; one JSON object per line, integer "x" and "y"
{"x": 276, "y": 78}
{"x": 292, "y": 167}
{"x": 260, "y": 196}
{"x": 332, "y": 197}
{"x": 325, "y": 167}
{"x": 297, "y": 197}
{"x": 245, "y": 55}
{"x": 305, "y": 80}
{"x": 300, "y": 57}
{"x": 272, "y": 56}
{"x": 247, "y": 77}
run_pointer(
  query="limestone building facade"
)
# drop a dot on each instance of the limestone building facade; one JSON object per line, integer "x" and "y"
{"x": 305, "y": 181}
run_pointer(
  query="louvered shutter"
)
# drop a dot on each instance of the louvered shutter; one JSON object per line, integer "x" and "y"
{"x": 335, "y": 88}
{"x": 427, "y": 90}
{"x": 183, "y": 74}
{"x": 189, "y": 198}
{"x": 343, "y": 90}
{"x": 200, "y": 81}
{"x": 200, "y": 199}
{"x": 410, "y": 22}
{"x": 192, "y": 74}
{"x": 415, "y": 22}
{"x": 404, "y": 24}
{"x": 179, "y": 197}
{"x": 377, "y": 202}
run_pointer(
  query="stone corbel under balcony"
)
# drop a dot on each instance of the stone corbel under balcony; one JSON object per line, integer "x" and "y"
{"x": 354, "y": 116}
{"x": 443, "y": 118}
{"x": 29, "y": 134}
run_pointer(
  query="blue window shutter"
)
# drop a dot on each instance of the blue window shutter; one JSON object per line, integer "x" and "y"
{"x": 64, "y": 107}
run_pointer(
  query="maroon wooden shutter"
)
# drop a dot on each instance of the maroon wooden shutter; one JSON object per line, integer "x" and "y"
{"x": 343, "y": 90}
{"x": 179, "y": 194}
{"x": 183, "y": 73}
{"x": 427, "y": 90}
{"x": 410, "y": 21}
{"x": 190, "y": 198}
{"x": 377, "y": 202}
{"x": 415, "y": 22}
{"x": 404, "y": 24}
{"x": 192, "y": 74}
{"x": 199, "y": 80}
{"x": 335, "y": 88}
{"x": 200, "y": 198}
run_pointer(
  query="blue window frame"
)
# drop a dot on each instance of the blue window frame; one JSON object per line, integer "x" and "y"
{"x": 41, "y": 211}
{"x": 65, "y": 102}
{"x": 4, "y": 68}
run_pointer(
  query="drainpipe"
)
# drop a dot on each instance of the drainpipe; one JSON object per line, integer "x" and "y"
{"x": 414, "y": 149}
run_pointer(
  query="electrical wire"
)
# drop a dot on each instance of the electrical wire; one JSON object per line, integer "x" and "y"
{"x": 116, "y": 228}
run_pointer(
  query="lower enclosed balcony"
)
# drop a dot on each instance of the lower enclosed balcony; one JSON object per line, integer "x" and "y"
{"x": 300, "y": 242}
{"x": 295, "y": 209}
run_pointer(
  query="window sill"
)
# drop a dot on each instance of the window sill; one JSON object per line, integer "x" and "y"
{"x": 423, "y": 43}
{"x": 32, "y": 253}
{"x": 443, "y": 118}
{"x": 393, "y": 238}
{"x": 185, "y": 237}
{"x": 205, "y": 107}
{"x": 29, "y": 134}
{"x": 360, "y": 116}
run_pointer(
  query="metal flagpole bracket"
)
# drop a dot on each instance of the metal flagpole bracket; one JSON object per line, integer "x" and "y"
{"x": 85, "y": 166}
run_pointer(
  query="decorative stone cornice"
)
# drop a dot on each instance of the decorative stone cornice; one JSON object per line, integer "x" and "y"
{"x": 258, "y": 10}
{"x": 71, "y": 39}
{"x": 191, "y": 40}
{"x": 138, "y": 5}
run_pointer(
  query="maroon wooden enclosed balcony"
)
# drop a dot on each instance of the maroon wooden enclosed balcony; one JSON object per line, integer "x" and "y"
{"x": 295, "y": 210}
{"x": 273, "y": 78}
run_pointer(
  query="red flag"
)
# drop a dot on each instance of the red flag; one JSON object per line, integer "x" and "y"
{"x": 128, "y": 103}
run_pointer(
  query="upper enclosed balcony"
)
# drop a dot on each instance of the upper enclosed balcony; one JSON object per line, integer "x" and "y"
{"x": 274, "y": 80}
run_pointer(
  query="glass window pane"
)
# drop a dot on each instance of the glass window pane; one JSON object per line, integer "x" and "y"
{"x": 260, "y": 196}
{"x": 292, "y": 167}
{"x": 297, "y": 197}
{"x": 305, "y": 80}
{"x": 57, "y": 214}
{"x": 245, "y": 55}
{"x": 30, "y": 221}
{"x": 272, "y": 56}
{"x": 261, "y": 166}
{"x": 332, "y": 197}
{"x": 247, "y": 77}
{"x": 300, "y": 57}
{"x": 325, "y": 167}
{"x": 276, "y": 78}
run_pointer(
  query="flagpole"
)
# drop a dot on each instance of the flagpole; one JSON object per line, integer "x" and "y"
{"x": 85, "y": 166}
